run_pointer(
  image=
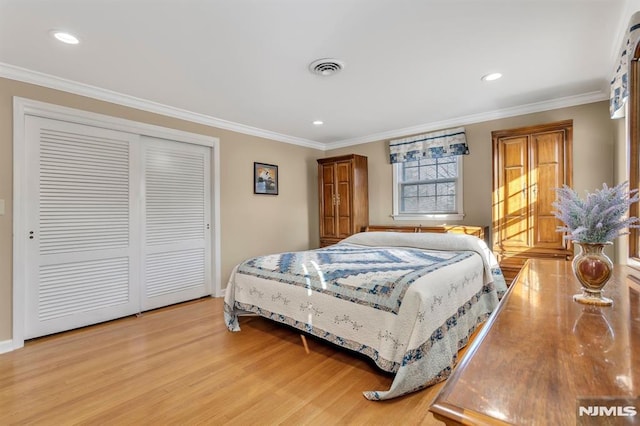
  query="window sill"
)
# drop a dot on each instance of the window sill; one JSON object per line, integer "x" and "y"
{"x": 438, "y": 217}
{"x": 634, "y": 262}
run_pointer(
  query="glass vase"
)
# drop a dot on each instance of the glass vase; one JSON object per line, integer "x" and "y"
{"x": 593, "y": 269}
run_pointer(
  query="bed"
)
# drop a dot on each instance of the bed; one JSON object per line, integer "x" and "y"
{"x": 408, "y": 302}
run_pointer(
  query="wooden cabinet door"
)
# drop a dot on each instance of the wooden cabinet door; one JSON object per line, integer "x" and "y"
{"x": 548, "y": 172}
{"x": 343, "y": 197}
{"x": 343, "y": 202}
{"x": 328, "y": 200}
{"x": 511, "y": 200}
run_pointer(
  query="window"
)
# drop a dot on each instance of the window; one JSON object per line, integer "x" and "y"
{"x": 428, "y": 189}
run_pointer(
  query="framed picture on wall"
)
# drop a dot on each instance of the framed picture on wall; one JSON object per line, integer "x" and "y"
{"x": 265, "y": 179}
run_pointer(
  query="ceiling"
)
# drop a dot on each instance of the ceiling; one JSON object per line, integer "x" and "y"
{"x": 411, "y": 65}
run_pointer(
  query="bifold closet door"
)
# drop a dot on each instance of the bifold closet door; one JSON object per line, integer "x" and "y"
{"x": 81, "y": 241}
{"x": 176, "y": 232}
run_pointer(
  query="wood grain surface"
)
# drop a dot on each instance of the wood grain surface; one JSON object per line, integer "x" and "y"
{"x": 541, "y": 351}
{"x": 180, "y": 365}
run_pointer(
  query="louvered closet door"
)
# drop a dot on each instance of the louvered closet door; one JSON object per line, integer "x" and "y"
{"x": 176, "y": 256}
{"x": 81, "y": 241}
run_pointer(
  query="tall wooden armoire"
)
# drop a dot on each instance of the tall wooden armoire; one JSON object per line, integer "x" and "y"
{"x": 343, "y": 196}
{"x": 528, "y": 164}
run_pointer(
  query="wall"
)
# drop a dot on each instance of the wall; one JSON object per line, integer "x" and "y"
{"x": 593, "y": 159}
{"x": 258, "y": 224}
{"x": 251, "y": 224}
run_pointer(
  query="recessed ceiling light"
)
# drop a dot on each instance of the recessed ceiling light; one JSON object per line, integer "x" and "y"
{"x": 491, "y": 77}
{"x": 65, "y": 37}
{"x": 318, "y": 123}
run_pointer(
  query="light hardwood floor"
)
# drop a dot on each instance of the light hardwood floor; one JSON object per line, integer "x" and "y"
{"x": 180, "y": 365}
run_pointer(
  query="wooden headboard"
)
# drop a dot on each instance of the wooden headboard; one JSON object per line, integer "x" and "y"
{"x": 477, "y": 231}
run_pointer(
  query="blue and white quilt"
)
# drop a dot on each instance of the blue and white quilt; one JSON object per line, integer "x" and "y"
{"x": 407, "y": 301}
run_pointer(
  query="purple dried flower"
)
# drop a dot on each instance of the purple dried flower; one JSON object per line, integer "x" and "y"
{"x": 599, "y": 218}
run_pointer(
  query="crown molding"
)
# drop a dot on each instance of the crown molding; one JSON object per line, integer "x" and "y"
{"x": 629, "y": 8}
{"x": 33, "y": 77}
{"x": 568, "y": 101}
{"x": 24, "y": 75}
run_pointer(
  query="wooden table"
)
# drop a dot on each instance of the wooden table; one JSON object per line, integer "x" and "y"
{"x": 540, "y": 351}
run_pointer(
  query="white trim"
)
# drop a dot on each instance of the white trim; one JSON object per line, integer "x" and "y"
{"x": 23, "y": 107}
{"x": 633, "y": 264}
{"x": 19, "y": 226}
{"x": 216, "y": 232}
{"x": 568, "y": 101}
{"x": 72, "y": 115}
{"x": 8, "y": 346}
{"x": 33, "y": 77}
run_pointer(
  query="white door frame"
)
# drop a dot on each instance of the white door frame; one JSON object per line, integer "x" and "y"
{"x": 23, "y": 107}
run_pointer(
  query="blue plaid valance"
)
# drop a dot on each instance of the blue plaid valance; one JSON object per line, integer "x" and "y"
{"x": 619, "y": 83}
{"x": 443, "y": 143}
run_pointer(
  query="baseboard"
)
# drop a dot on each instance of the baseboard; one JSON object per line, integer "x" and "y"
{"x": 8, "y": 346}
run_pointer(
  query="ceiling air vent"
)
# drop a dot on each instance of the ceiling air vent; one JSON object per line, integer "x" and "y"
{"x": 326, "y": 67}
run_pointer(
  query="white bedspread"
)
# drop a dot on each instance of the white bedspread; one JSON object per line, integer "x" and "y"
{"x": 407, "y": 301}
